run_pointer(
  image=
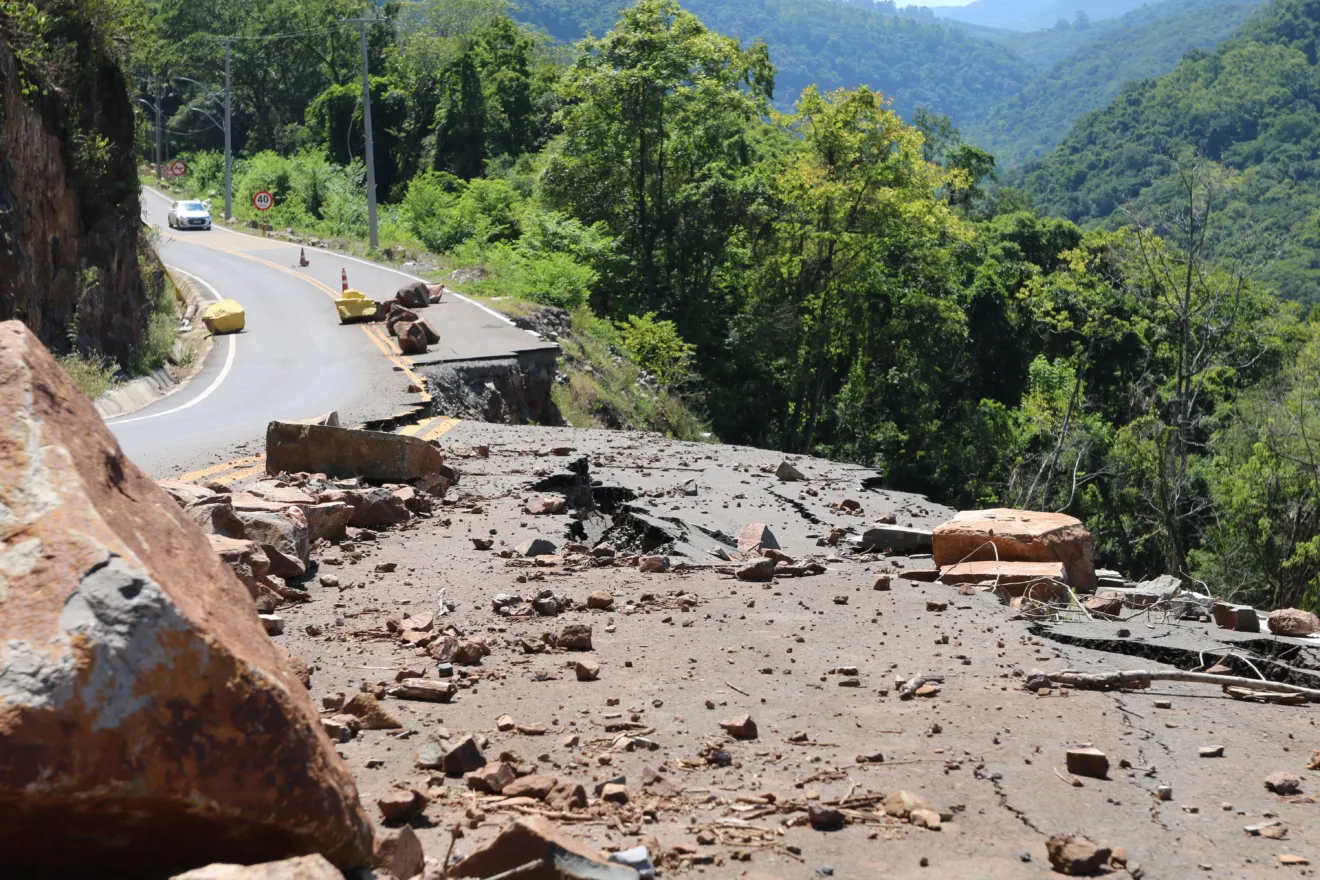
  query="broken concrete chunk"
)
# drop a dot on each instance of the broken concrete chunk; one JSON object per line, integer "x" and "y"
{"x": 346, "y": 452}
{"x": 1293, "y": 622}
{"x": 1018, "y": 536}
{"x": 756, "y": 536}
{"x": 1088, "y": 762}
{"x": 425, "y": 689}
{"x": 151, "y": 663}
{"x": 1241, "y": 618}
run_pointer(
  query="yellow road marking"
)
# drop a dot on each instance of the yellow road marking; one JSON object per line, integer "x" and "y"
{"x": 412, "y": 430}
{"x": 227, "y": 466}
{"x": 235, "y": 477}
{"x": 442, "y": 429}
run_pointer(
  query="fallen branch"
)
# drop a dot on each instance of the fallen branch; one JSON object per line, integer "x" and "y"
{"x": 1131, "y": 677}
{"x": 735, "y": 688}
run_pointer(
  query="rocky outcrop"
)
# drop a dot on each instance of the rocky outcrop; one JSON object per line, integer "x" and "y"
{"x": 147, "y": 722}
{"x": 69, "y": 203}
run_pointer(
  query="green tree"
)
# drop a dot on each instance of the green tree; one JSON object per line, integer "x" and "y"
{"x": 655, "y": 147}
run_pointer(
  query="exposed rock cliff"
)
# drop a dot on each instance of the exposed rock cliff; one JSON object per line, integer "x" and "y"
{"x": 69, "y": 196}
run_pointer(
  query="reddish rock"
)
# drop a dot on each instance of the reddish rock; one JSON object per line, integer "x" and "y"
{"x": 1075, "y": 855}
{"x": 1018, "y": 536}
{"x": 537, "y": 785}
{"x": 742, "y": 727}
{"x": 398, "y": 315}
{"x": 399, "y": 852}
{"x": 244, "y": 558}
{"x": 756, "y": 536}
{"x": 990, "y": 571}
{"x": 463, "y": 758}
{"x": 411, "y": 337}
{"x": 761, "y": 569}
{"x": 567, "y": 796}
{"x": 414, "y": 296}
{"x": 575, "y": 637}
{"x": 543, "y": 506}
{"x": 1293, "y": 622}
{"x": 492, "y": 778}
{"x": 601, "y": 600}
{"x": 1105, "y": 605}
{"x": 302, "y": 868}
{"x": 347, "y": 452}
{"x": 165, "y": 730}
{"x": 1088, "y": 762}
{"x": 432, "y": 337}
{"x": 401, "y": 805}
{"x": 526, "y": 840}
{"x": 1242, "y": 618}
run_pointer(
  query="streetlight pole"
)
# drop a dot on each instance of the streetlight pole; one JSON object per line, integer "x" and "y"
{"x": 366, "y": 119}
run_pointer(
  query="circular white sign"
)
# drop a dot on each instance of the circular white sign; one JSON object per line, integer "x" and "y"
{"x": 263, "y": 201}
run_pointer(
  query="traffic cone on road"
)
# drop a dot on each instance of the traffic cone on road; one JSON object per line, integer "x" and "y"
{"x": 344, "y": 273}
{"x": 302, "y": 258}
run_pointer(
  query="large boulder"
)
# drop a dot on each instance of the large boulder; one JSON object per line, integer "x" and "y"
{"x": 328, "y": 520}
{"x": 147, "y": 723}
{"x": 411, "y": 336}
{"x": 1018, "y": 536}
{"x": 346, "y": 452}
{"x": 216, "y": 516}
{"x": 415, "y": 296}
{"x": 527, "y": 840}
{"x": 398, "y": 314}
{"x": 1293, "y": 622}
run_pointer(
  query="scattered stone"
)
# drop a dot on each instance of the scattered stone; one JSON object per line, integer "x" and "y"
{"x": 399, "y": 852}
{"x": 788, "y": 473}
{"x": 535, "y": 785}
{"x": 600, "y": 600}
{"x": 313, "y": 867}
{"x": 575, "y": 637}
{"x": 587, "y": 669}
{"x": 367, "y": 709}
{"x": 273, "y": 623}
{"x": 1211, "y": 751}
{"x": 534, "y": 547}
{"x": 900, "y": 804}
{"x": 882, "y": 582}
{"x": 1088, "y": 762}
{"x": 491, "y": 778}
{"x": 463, "y": 758}
{"x": 1283, "y": 783}
{"x": 824, "y": 818}
{"x": 483, "y": 543}
{"x": 401, "y": 805}
{"x": 1292, "y": 860}
{"x": 567, "y": 796}
{"x": 614, "y": 793}
{"x": 653, "y": 564}
{"x": 1075, "y": 855}
{"x": 543, "y": 506}
{"x": 526, "y": 840}
{"x": 928, "y": 819}
{"x": 762, "y": 569}
{"x": 756, "y": 536}
{"x": 937, "y": 605}
{"x": 1293, "y": 622}
{"x": 742, "y": 727}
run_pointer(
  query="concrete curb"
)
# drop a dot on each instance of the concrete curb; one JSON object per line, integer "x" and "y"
{"x": 159, "y": 384}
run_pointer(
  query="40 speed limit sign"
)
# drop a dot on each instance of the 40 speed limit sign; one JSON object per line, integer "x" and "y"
{"x": 263, "y": 201}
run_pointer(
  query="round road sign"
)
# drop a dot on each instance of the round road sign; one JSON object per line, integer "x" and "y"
{"x": 178, "y": 169}
{"x": 263, "y": 201}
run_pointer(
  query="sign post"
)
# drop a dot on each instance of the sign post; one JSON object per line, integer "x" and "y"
{"x": 263, "y": 201}
{"x": 178, "y": 169}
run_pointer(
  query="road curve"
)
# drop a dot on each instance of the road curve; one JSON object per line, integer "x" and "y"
{"x": 294, "y": 360}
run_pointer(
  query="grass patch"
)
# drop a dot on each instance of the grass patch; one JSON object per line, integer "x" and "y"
{"x": 94, "y": 375}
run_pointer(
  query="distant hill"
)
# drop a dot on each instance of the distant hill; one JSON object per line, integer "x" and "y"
{"x": 1138, "y": 45}
{"x": 1252, "y": 104}
{"x": 1031, "y": 15}
{"x": 835, "y": 45}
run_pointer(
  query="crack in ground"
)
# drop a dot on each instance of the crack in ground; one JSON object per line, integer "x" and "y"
{"x": 801, "y": 508}
{"x": 1003, "y": 802}
{"x": 1148, "y": 736}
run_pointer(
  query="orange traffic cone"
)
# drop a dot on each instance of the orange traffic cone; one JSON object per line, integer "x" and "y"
{"x": 344, "y": 272}
{"x": 302, "y": 257}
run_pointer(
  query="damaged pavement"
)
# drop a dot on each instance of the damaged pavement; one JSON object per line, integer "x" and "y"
{"x": 540, "y": 652}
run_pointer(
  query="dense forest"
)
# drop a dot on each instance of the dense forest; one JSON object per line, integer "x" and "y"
{"x": 1251, "y": 106}
{"x": 1140, "y": 45}
{"x": 838, "y": 280}
{"x": 1031, "y": 15}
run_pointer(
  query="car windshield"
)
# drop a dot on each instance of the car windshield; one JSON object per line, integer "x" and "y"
{"x": 193, "y": 206}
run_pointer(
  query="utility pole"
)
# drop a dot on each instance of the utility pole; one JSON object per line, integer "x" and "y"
{"x": 366, "y": 119}
{"x": 229, "y": 149}
{"x": 160, "y": 94}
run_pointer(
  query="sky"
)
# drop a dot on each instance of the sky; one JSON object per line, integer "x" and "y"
{"x": 934, "y": 3}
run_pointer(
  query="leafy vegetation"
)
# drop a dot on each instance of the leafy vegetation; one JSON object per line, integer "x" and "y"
{"x": 1249, "y": 105}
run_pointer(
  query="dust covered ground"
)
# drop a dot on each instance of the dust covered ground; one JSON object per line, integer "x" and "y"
{"x": 983, "y": 751}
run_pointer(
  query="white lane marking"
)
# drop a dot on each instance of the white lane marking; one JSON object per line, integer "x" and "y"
{"x": 402, "y": 274}
{"x": 229, "y": 364}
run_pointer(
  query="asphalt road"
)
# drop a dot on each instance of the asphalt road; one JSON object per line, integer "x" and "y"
{"x": 294, "y": 360}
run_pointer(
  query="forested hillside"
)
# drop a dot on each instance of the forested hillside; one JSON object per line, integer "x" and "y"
{"x": 1140, "y": 45}
{"x": 1030, "y": 15}
{"x": 1250, "y": 105}
{"x": 833, "y": 281}
{"x": 834, "y": 45}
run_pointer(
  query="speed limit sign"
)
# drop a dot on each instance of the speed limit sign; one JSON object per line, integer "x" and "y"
{"x": 263, "y": 201}
{"x": 178, "y": 169}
